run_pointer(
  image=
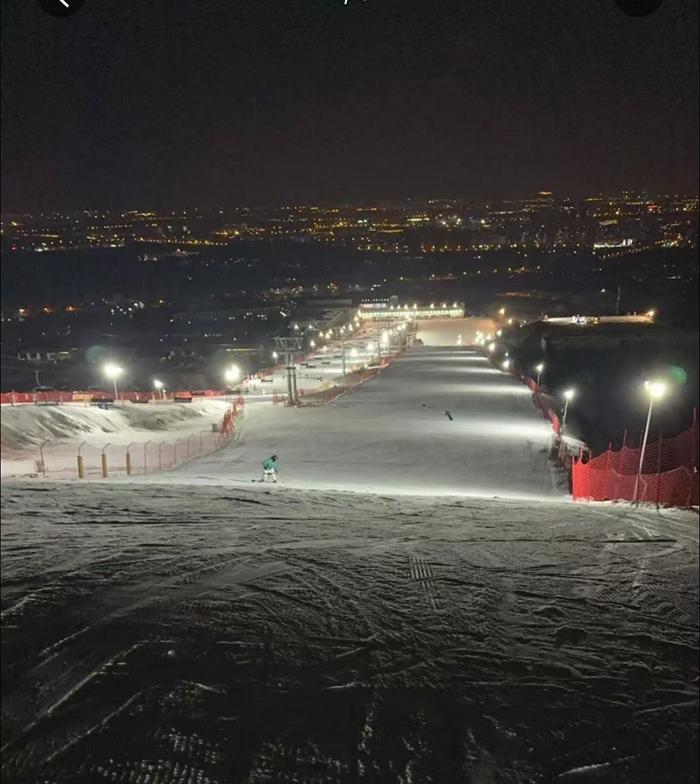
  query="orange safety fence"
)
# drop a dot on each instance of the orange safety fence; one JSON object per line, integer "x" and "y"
{"x": 228, "y": 423}
{"x": 132, "y": 396}
{"x": 59, "y": 460}
{"x": 321, "y": 396}
{"x": 541, "y": 401}
{"x": 668, "y": 476}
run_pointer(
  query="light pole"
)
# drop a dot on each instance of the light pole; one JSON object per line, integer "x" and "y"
{"x": 158, "y": 386}
{"x": 656, "y": 390}
{"x": 568, "y": 396}
{"x": 385, "y": 341}
{"x": 288, "y": 345}
{"x": 232, "y": 374}
{"x": 539, "y": 368}
{"x": 113, "y": 371}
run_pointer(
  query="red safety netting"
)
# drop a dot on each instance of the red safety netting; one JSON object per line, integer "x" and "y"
{"x": 669, "y": 473}
{"x": 46, "y": 398}
{"x": 541, "y": 401}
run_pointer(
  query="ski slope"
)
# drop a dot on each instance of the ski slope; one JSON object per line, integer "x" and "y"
{"x": 390, "y": 435}
{"x": 163, "y": 634}
{"x": 371, "y": 618}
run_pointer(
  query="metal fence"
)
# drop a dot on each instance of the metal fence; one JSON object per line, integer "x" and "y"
{"x": 59, "y": 460}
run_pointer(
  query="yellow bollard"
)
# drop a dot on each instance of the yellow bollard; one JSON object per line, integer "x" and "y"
{"x": 104, "y": 465}
{"x": 81, "y": 468}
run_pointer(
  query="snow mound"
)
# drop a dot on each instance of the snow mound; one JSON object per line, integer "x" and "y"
{"x": 27, "y": 426}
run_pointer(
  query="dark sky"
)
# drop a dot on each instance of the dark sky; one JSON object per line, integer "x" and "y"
{"x": 157, "y": 103}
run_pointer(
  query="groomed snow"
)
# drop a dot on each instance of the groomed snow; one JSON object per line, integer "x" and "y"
{"x": 390, "y": 435}
{"x": 171, "y": 633}
{"x": 195, "y": 628}
{"x": 451, "y": 332}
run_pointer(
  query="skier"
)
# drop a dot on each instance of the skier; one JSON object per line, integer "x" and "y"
{"x": 448, "y": 414}
{"x": 269, "y": 469}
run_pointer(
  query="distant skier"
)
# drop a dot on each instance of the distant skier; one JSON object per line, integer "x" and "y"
{"x": 269, "y": 469}
{"x": 448, "y": 414}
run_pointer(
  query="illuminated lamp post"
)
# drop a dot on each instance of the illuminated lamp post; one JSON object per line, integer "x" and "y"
{"x": 539, "y": 368}
{"x": 656, "y": 390}
{"x": 232, "y": 374}
{"x": 113, "y": 372}
{"x": 568, "y": 397}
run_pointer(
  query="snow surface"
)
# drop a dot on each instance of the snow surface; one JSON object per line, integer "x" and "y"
{"x": 391, "y": 435}
{"x": 171, "y": 633}
{"x": 451, "y": 332}
{"x": 25, "y": 427}
{"x": 198, "y": 628}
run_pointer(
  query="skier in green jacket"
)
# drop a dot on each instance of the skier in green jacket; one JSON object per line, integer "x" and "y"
{"x": 270, "y": 469}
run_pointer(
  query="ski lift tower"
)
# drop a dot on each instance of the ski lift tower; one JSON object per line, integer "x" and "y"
{"x": 289, "y": 345}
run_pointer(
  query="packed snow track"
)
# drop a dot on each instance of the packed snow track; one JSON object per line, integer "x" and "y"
{"x": 161, "y": 634}
{"x": 417, "y": 601}
{"x": 392, "y": 435}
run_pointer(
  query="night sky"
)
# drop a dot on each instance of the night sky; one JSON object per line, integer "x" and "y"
{"x": 175, "y": 103}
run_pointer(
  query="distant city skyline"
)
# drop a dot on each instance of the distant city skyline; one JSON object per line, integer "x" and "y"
{"x": 434, "y": 200}
{"x": 622, "y": 223}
